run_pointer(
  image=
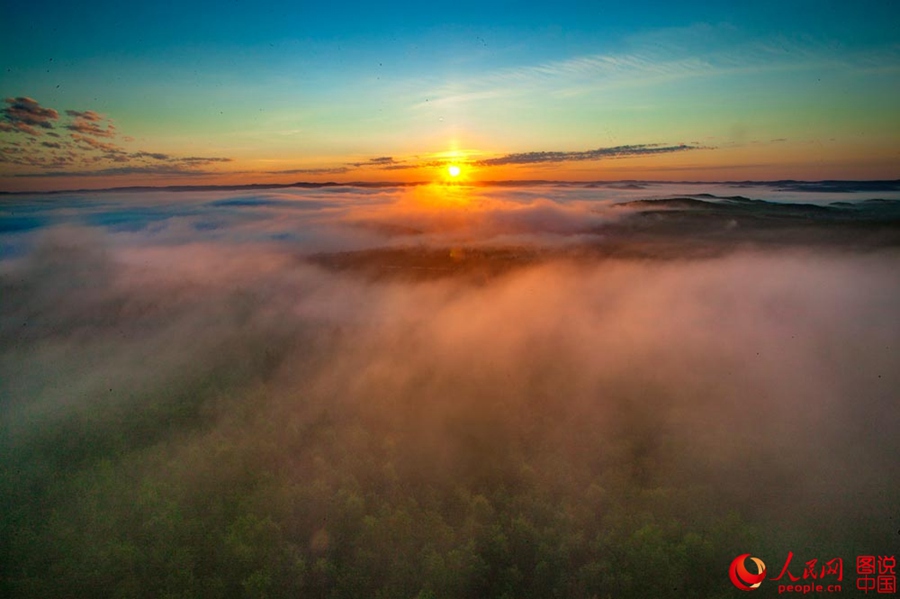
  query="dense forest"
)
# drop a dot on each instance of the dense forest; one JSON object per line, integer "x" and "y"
{"x": 616, "y": 429}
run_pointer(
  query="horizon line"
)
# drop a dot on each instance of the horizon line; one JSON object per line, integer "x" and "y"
{"x": 886, "y": 184}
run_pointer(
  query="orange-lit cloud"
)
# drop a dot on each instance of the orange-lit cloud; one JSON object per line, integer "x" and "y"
{"x": 83, "y": 153}
{"x": 92, "y": 128}
{"x": 24, "y": 114}
{"x": 87, "y": 115}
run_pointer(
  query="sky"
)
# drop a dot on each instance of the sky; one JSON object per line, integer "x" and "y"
{"x": 195, "y": 93}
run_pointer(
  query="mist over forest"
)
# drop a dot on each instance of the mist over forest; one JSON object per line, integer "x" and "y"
{"x": 444, "y": 391}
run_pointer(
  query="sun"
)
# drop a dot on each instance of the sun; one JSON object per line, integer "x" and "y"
{"x": 454, "y": 170}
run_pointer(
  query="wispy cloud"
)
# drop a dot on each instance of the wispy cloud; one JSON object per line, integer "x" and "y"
{"x": 561, "y": 77}
{"x": 670, "y": 55}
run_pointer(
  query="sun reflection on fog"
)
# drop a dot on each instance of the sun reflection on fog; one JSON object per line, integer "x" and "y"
{"x": 444, "y": 196}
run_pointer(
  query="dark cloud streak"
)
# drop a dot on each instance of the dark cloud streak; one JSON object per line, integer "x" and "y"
{"x": 311, "y": 171}
{"x": 598, "y": 154}
{"x": 381, "y": 161}
{"x": 388, "y": 163}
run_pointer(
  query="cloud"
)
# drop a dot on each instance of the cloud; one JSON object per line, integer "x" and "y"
{"x": 154, "y": 155}
{"x": 86, "y": 115}
{"x": 381, "y": 161}
{"x": 87, "y": 132}
{"x": 198, "y": 159}
{"x": 89, "y": 122}
{"x": 19, "y": 127}
{"x": 311, "y": 171}
{"x": 24, "y": 114}
{"x": 183, "y": 161}
{"x": 654, "y": 57}
{"x": 598, "y": 154}
{"x": 410, "y": 165}
{"x": 388, "y": 163}
{"x": 91, "y": 128}
{"x": 83, "y": 151}
{"x": 177, "y": 170}
{"x": 98, "y": 145}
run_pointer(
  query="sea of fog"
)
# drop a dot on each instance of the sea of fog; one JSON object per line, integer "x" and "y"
{"x": 336, "y": 218}
{"x": 445, "y": 391}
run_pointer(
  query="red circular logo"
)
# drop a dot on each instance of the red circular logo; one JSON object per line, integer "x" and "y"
{"x": 741, "y": 576}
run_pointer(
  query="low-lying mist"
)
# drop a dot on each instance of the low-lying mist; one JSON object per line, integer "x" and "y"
{"x": 229, "y": 419}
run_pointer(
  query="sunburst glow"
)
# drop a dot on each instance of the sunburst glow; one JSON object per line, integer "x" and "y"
{"x": 454, "y": 170}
